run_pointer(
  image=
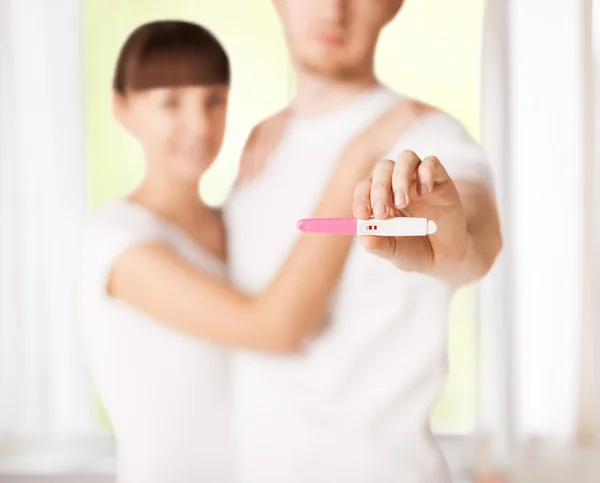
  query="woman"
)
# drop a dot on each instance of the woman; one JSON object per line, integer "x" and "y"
{"x": 156, "y": 307}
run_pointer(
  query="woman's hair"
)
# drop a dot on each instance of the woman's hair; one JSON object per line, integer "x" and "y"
{"x": 170, "y": 53}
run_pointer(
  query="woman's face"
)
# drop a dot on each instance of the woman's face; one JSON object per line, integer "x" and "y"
{"x": 181, "y": 128}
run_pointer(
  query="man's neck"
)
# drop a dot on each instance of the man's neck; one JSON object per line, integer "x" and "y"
{"x": 317, "y": 94}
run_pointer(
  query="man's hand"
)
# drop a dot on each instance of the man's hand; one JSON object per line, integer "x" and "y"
{"x": 417, "y": 188}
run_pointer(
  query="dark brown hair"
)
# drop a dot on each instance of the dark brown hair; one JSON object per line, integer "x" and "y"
{"x": 170, "y": 53}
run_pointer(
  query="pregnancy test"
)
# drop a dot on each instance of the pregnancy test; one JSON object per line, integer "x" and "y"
{"x": 351, "y": 226}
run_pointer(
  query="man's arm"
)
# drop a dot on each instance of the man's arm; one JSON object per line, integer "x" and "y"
{"x": 483, "y": 228}
{"x": 468, "y": 238}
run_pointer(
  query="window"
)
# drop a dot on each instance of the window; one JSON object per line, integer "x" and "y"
{"x": 434, "y": 57}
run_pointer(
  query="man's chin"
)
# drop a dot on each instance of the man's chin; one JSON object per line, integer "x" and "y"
{"x": 329, "y": 69}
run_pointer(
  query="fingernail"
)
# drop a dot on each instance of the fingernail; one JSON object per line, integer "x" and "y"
{"x": 423, "y": 189}
{"x": 379, "y": 208}
{"x": 398, "y": 198}
{"x": 370, "y": 249}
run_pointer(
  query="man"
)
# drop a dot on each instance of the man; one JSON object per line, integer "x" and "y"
{"x": 354, "y": 405}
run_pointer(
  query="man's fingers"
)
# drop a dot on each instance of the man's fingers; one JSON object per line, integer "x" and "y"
{"x": 430, "y": 172}
{"x": 362, "y": 202}
{"x": 381, "y": 188}
{"x": 404, "y": 173}
{"x": 382, "y": 246}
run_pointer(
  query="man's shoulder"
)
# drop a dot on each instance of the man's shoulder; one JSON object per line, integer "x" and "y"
{"x": 270, "y": 124}
{"x": 411, "y": 116}
{"x": 410, "y": 109}
{"x": 397, "y": 119}
{"x": 262, "y": 141}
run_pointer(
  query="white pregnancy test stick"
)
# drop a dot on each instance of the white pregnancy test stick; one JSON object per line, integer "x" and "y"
{"x": 351, "y": 226}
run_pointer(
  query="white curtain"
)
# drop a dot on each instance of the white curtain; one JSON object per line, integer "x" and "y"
{"x": 496, "y": 309}
{"x": 538, "y": 129}
{"x": 592, "y": 376}
{"x": 44, "y": 388}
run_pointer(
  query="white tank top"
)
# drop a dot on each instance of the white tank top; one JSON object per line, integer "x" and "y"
{"x": 354, "y": 406}
{"x": 166, "y": 393}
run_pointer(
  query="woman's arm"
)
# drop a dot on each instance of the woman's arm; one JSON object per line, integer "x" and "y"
{"x": 154, "y": 279}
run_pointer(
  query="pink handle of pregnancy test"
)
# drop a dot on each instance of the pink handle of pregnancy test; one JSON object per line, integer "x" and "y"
{"x": 339, "y": 226}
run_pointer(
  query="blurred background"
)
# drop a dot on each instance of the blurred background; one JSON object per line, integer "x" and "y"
{"x": 523, "y": 393}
